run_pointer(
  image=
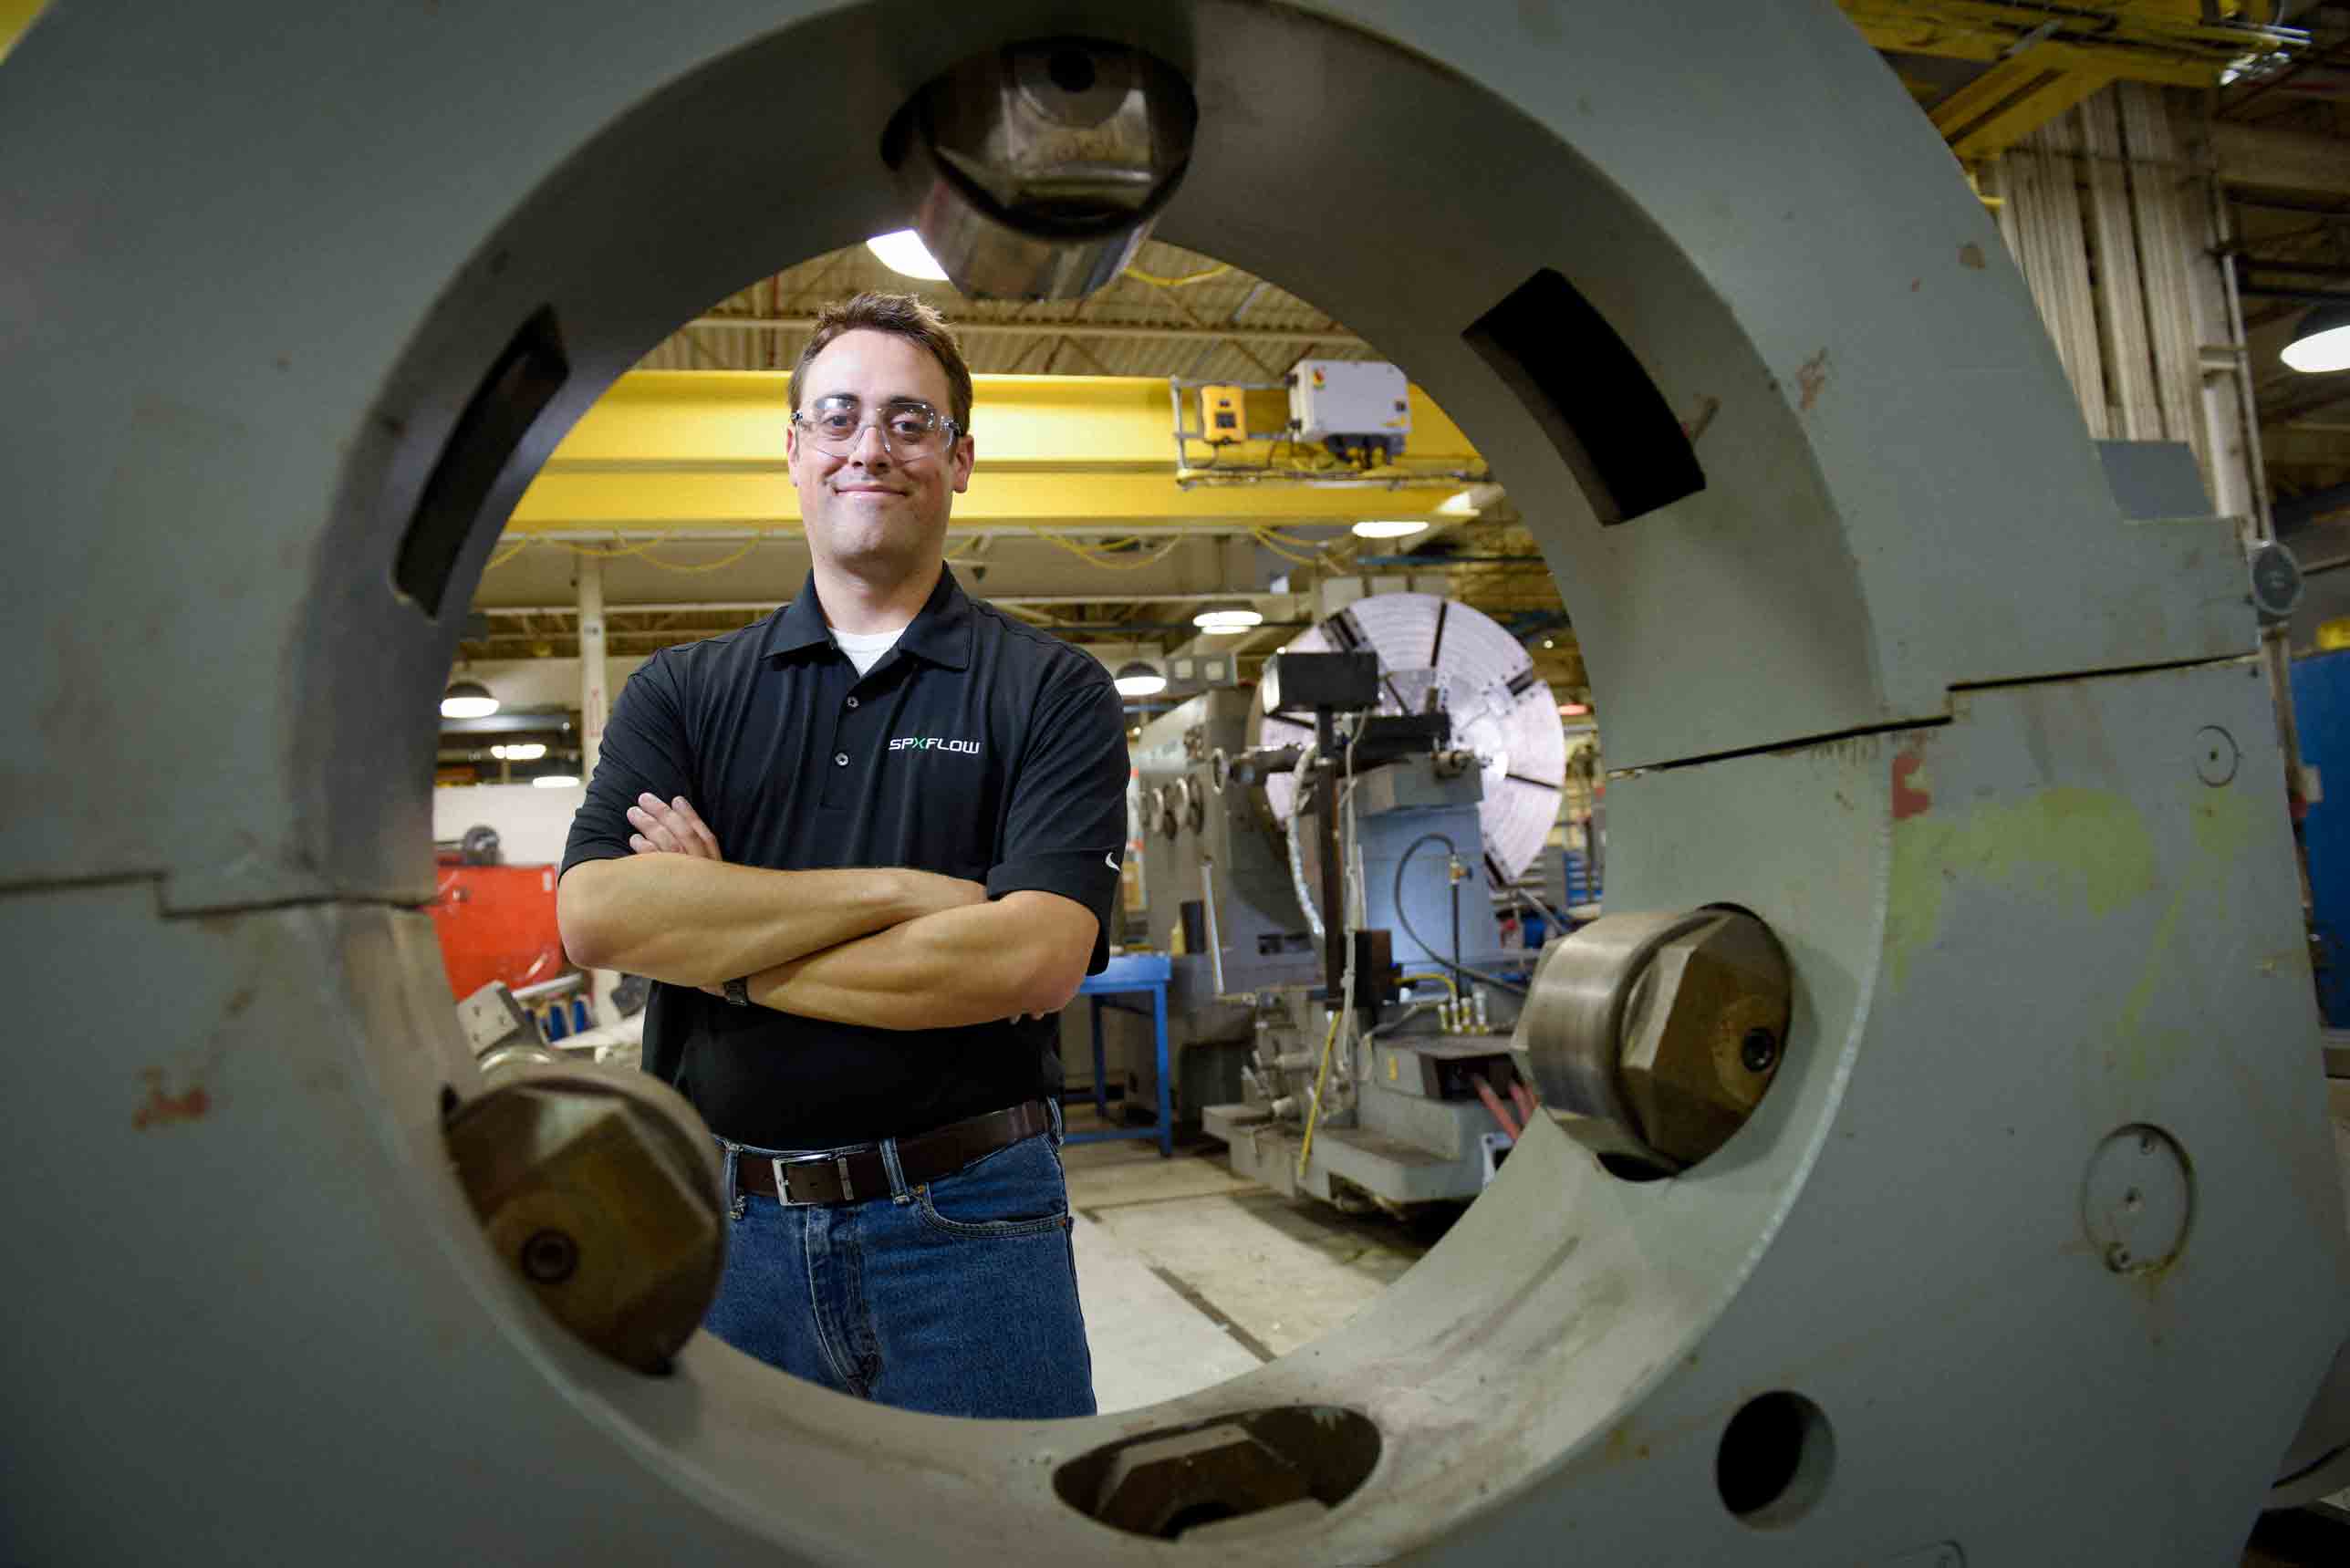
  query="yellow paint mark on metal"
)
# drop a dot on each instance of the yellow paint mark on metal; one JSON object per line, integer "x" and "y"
{"x": 2223, "y": 826}
{"x": 2085, "y": 847}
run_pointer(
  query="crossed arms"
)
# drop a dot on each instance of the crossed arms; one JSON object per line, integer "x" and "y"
{"x": 885, "y": 946}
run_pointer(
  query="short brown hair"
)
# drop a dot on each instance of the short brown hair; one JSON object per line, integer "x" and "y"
{"x": 905, "y": 315}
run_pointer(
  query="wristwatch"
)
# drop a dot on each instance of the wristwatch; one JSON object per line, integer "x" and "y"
{"x": 738, "y": 992}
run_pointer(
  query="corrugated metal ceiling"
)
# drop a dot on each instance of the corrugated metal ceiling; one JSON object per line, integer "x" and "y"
{"x": 1191, "y": 314}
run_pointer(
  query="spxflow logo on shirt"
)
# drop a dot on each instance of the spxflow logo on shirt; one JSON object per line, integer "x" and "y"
{"x": 1111, "y": 860}
{"x": 932, "y": 743}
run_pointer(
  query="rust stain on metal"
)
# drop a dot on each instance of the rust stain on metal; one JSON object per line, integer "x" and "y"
{"x": 1970, "y": 255}
{"x": 1909, "y": 799}
{"x": 162, "y": 1108}
{"x": 1812, "y": 375}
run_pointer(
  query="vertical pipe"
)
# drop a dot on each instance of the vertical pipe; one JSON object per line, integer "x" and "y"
{"x": 1334, "y": 956}
{"x": 594, "y": 702}
{"x": 1215, "y": 942}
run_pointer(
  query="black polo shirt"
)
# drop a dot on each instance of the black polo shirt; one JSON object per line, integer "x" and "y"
{"x": 976, "y": 746}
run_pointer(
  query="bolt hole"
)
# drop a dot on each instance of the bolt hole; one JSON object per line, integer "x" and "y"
{"x": 1759, "y": 1050}
{"x": 1071, "y": 70}
{"x": 549, "y": 1257}
{"x": 2133, "y": 1200}
{"x": 1774, "y": 1459}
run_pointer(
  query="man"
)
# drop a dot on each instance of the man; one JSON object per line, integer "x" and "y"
{"x": 920, "y": 804}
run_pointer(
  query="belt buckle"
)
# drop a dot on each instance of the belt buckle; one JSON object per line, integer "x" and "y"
{"x": 839, "y": 1162}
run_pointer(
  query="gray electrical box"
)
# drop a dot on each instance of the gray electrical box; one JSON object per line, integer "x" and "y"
{"x": 1351, "y": 406}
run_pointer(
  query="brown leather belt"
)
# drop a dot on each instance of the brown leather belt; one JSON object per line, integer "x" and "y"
{"x": 854, "y": 1175}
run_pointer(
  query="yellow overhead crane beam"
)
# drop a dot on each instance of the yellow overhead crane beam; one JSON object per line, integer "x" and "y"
{"x": 2140, "y": 34}
{"x": 2045, "y": 59}
{"x": 703, "y": 450}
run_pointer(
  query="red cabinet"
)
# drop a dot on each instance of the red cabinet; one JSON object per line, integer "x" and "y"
{"x": 497, "y": 922}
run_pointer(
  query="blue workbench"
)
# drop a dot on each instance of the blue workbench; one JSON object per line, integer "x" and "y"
{"x": 1131, "y": 973}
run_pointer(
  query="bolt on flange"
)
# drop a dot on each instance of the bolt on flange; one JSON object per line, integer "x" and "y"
{"x": 1653, "y": 1036}
{"x": 601, "y": 1190}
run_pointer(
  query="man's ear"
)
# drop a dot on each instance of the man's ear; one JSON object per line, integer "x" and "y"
{"x": 965, "y": 454}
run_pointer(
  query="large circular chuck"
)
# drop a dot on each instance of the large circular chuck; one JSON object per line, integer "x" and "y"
{"x": 1653, "y": 1036}
{"x": 1438, "y": 653}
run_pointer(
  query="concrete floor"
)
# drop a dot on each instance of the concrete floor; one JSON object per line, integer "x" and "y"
{"x": 1190, "y": 1274}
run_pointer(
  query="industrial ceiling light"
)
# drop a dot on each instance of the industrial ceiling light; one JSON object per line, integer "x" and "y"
{"x": 2323, "y": 341}
{"x": 467, "y": 700}
{"x": 1398, "y": 528}
{"x": 556, "y": 780}
{"x": 903, "y": 253}
{"x": 1222, "y": 621}
{"x": 520, "y": 752}
{"x": 1137, "y": 678}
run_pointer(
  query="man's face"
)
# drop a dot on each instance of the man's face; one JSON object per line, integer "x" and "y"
{"x": 873, "y": 507}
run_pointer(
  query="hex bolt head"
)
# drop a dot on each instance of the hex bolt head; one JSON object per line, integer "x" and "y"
{"x": 601, "y": 1190}
{"x": 1712, "y": 1002}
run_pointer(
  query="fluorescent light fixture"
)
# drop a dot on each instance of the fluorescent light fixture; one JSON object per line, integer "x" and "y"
{"x": 1460, "y": 503}
{"x": 1573, "y": 710}
{"x": 904, "y": 253}
{"x": 520, "y": 752}
{"x": 1137, "y": 678}
{"x": 2322, "y": 343}
{"x": 1399, "y": 528}
{"x": 1223, "y": 620}
{"x": 467, "y": 700}
{"x": 556, "y": 780}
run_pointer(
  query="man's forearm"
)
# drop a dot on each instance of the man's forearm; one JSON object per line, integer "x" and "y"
{"x": 699, "y": 922}
{"x": 962, "y": 966}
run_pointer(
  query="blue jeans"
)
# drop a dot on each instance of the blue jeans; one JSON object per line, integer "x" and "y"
{"x": 957, "y": 1297}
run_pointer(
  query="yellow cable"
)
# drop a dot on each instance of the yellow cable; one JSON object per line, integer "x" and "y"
{"x": 1271, "y": 533}
{"x": 1313, "y": 1111}
{"x": 706, "y": 566}
{"x": 1444, "y": 980}
{"x": 1091, "y": 559}
{"x": 503, "y": 557}
{"x": 641, "y": 552}
{"x": 1190, "y": 277}
{"x": 1266, "y": 540}
{"x": 594, "y": 555}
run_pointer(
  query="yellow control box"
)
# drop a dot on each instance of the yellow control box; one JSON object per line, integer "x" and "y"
{"x": 1221, "y": 415}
